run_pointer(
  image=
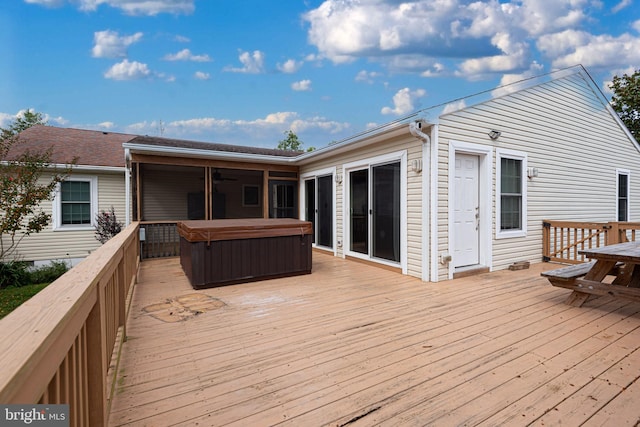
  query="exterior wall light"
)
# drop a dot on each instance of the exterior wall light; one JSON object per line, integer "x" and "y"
{"x": 494, "y": 134}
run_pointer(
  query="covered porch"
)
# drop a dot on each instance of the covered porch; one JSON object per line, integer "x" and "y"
{"x": 355, "y": 344}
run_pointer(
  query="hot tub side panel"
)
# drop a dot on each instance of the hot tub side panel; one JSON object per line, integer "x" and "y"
{"x": 225, "y": 262}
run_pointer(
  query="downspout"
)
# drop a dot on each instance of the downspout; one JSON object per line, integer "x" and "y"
{"x": 415, "y": 128}
{"x": 127, "y": 186}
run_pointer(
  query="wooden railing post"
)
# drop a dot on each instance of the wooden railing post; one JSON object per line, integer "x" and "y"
{"x": 546, "y": 241}
{"x": 613, "y": 233}
{"x": 96, "y": 362}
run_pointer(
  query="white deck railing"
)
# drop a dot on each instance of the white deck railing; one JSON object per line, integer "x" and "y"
{"x": 57, "y": 348}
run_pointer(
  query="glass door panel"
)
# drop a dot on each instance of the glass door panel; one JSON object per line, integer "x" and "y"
{"x": 359, "y": 204}
{"x": 325, "y": 211}
{"x": 386, "y": 211}
{"x": 282, "y": 199}
{"x": 310, "y": 204}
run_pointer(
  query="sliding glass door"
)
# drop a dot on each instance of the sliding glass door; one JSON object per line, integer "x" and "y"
{"x": 374, "y": 197}
{"x": 319, "y": 208}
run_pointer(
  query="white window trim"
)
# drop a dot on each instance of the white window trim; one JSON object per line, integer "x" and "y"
{"x": 515, "y": 155}
{"x": 57, "y": 208}
{"x": 626, "y": 172}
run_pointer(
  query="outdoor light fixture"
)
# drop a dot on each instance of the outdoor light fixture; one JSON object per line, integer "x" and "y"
{"x": 494, "y": 134}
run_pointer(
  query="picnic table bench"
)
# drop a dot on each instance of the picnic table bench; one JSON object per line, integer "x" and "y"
{"x": 619, "y": 260}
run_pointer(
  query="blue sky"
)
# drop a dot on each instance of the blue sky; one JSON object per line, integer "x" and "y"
{"x": 246, "y": 71}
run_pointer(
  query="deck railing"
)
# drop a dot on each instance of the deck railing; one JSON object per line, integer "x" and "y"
{"x": 563, "y": 240}
{"x": 159, "y": 240}
{"x": 62, "y": 346}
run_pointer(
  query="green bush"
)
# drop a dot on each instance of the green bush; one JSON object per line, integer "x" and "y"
{"x": 13, "y": 274}
{"x": 48, "y": 273}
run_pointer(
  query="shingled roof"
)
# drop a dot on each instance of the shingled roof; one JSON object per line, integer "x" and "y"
{"x": 98, "y": 148}
{"x": 209, "y": 146}
{"x": 92, "y": 148}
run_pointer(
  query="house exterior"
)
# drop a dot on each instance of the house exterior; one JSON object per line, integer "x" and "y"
{"x": 97, "y": 180}
{"x": 451, "y": 189}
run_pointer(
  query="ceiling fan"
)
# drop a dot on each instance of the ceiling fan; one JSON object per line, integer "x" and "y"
{"x": 218, "y": 178}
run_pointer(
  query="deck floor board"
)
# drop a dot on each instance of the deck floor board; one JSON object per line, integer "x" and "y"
{"x": 353, "y": 344}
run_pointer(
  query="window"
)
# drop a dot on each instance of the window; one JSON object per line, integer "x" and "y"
{"x": 74, "y": 205}
{"x": 250, "y": 196}
{"x": 76, "y": 202}
{"x": 511, "y": 190}
{"x": 623, "y": 195}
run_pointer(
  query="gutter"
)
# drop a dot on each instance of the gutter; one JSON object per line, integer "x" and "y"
{"x": 415, "y": 128}
{"x": 204, "y": 154}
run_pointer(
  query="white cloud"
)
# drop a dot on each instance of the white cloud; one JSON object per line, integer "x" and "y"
{"x": 623, "y": 4}
{"x": 109, "y": 44}
{"x": 186, "y": 55}
{"x": 367, "y": 76}
{"x": 403, "y": 101}
{"x": 129, "y": 7}
{"x": 454, "y": 106}
{"x": 201, "y": 75}
{"x": 570, "y": 47}
{"x": 514, "y": 56}
{"x": 301, "y": 86}
{"x": 182, "y": 39}
{"x": 479, "y": 37}
{"x": 252, "y": 63}
{"x": 126, "y": 70}
{"x": 290, "y": 66}
{"x": 47, "y": 3}
{"x": 636, "y": 25}
{"x": 507, "y": 81}
{"x": 268, "y": 128}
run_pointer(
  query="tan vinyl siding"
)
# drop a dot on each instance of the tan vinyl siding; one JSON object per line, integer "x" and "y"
{"x": 569, "y": 136}
{"x": 61, "y": 244}
{"x": 165, "y": 189}
{"x": 413, "y": 147}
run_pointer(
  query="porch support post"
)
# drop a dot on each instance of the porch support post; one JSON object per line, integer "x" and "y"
{"x": 265, "y": 193}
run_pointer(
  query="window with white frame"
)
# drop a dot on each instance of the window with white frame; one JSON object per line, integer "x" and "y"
{"x": 75, "y": 203}
{"x": 623, "y": 195}
{"x": 511, "y": 189}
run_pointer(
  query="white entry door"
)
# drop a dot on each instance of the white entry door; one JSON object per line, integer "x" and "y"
{"x": 466, "y": 211}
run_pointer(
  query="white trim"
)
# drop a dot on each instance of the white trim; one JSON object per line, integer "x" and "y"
{"x": 485, "y": 154}
{"x": 626, "y": 172}
{"x": 315, "y": 174}
{"x": 127, "y": 189}
{"x": 515, "y": 155}
{"x": 426, "y": 209}
{"x": 56, "y": 209}
{"x": 434, "y": 202}
{"x": 368, "y": 163}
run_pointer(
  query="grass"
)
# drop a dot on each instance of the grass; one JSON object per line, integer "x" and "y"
{"x": 11, "y": 298}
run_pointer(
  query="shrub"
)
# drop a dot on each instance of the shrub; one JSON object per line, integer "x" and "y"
{"x": 107, "y": 225}
{"x": 48, "y": 273}
{"x": 13, "y": 274}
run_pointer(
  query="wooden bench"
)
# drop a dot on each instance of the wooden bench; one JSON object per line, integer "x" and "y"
{"x": 568, "y": 273}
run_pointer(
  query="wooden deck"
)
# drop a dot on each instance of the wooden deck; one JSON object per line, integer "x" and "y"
{"x": 357, "y": 345}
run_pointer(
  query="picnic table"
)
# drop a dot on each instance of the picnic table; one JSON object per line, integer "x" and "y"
{"x": 620, "y": 262}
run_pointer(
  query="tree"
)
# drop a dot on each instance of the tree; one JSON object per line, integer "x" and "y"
{"x": 24, "y": 185}
{"x": 626, "y": 100}
{"x": 292, "y": 142}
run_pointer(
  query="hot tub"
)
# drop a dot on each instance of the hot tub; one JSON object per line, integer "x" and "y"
{"x": 229, "y": 251}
